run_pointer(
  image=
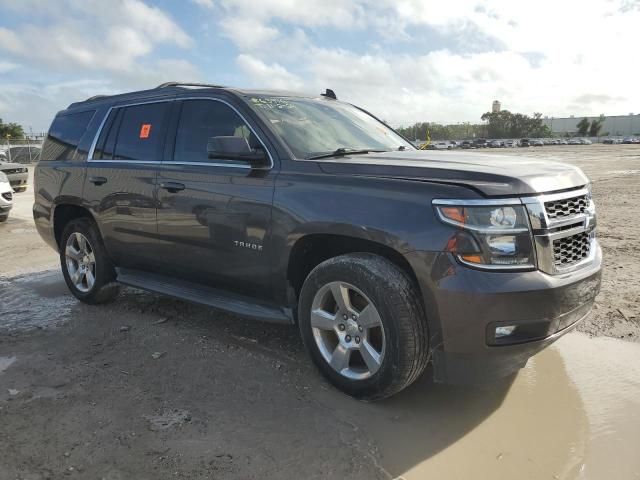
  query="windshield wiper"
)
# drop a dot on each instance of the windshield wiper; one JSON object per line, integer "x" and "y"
{"x": 341, "y": 152}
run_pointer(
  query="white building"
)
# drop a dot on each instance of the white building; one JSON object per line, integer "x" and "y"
{"x": 616, "y": 125}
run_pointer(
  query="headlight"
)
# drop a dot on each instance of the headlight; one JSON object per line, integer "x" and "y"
{"x": 491, "y": 235}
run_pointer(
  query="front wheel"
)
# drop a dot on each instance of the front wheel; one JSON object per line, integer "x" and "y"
{"x": 363, "y": 324}
{"x": 3, "y": 218}
{"x": 87, "y": 270}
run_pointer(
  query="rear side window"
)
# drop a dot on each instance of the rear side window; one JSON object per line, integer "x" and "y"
{"x": 133, "y": 133}
{"x": 201, "y": 120}
{"x": 65, "y": 134}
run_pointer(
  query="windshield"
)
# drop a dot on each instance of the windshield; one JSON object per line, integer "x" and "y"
{"x": 317, "y": 126}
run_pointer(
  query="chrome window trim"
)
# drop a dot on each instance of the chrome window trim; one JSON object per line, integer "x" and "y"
{"x": 171, "y": 162}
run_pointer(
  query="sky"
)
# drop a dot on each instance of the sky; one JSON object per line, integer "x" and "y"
{"x": 404, "y": 60}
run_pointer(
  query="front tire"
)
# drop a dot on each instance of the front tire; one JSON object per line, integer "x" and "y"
{"x": 363, "y": 325}
{"x": 87, "y": 270}
{"x": 3, "y": 218}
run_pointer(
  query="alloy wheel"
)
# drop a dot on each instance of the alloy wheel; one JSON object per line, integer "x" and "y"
{"x": 81, "y": 262}
{"x": 348, "y": 330}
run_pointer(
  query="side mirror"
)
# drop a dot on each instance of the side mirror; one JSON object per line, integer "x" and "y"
{"x": 236, "y": 148}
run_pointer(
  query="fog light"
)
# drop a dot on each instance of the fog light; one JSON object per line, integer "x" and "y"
{"x": 502, "y": 332}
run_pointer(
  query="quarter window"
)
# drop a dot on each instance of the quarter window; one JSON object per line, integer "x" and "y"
{"x": 200, "y": 120}
{"x": 65, "y": 134}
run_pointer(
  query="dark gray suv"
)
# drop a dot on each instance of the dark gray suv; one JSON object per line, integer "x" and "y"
{"x": 310, "y": 211}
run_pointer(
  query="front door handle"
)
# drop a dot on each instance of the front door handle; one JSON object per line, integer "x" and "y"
{"x": 172, "y": 187}
{"x": 98, "y": 180}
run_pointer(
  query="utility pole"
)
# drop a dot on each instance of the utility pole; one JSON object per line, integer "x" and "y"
{"x": 8, "y": 147}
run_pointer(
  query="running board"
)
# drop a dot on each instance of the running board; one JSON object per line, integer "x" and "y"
{"x": 219, "y": 299}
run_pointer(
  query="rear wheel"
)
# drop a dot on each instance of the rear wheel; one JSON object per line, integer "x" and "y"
{"x": 3, "y": 218}
{"x": 363, "y": 325}
{"x": 87, "y": 270}
{"x": 20, "y": 189}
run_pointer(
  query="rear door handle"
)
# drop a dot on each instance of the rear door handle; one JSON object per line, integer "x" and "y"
{"x": 172, "y": 187}
{"x": 98, "y": 180}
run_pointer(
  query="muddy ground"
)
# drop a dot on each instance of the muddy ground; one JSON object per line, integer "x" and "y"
{"x": 153, "y": 388}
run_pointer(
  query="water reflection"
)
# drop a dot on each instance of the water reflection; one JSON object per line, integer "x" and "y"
{"x": 561, "y": 417}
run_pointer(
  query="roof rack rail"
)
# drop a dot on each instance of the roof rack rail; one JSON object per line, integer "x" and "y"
{"x": 95, "y": 97}
{"x": 187, "y": 84}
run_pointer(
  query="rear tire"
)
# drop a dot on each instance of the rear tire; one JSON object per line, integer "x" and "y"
{"x": 20, "y": 189}
{"x": 87, "y": 270}
{"x": 3, "y": 218}
{"x": 389, "y": 356}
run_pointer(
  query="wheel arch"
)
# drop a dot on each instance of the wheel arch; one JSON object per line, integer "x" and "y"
{"x": 310, "y": 250}
{"x": 63, "y": 213}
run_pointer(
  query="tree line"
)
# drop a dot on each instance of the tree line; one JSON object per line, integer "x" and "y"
{"x": 10, "y": 130}
{"x": 502, "y": 124}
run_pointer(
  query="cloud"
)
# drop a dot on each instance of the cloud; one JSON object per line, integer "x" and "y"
{"x": 248, "y": 33}
{"x": 128, "y": 31}
{"x": 204, "y": 3}
{"x": 7, "y": 66}
{"x": 530, "y": 60}
{"x": 78, "y": 48}
{"x": 268, "y": 76}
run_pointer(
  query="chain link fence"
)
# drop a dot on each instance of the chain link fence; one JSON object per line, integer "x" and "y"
{"x": 23, "y": 150}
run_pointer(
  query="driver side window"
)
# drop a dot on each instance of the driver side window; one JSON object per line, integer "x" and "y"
{"x": 200, "y": 122}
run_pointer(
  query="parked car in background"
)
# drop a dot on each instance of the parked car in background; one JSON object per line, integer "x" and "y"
{"x": 17, "y": 174}
{"x": 480, "y": 143}
{"x": 439, "y": 146}
{"x": 510, "y": 143}
{"x": 23, "y": 154}
{"x": 585, "y": 141}
{"x": 466, "y": 144}
{"x": 496, "y": 144}
{"x": 563, "y": 141}
{"x": 575, "y": 141}
{"x": 454, "y": 144}
{"x": 524, "y": 142}
{"x": 6, "y": 197}
{"x": 630, "y": 140}
{"x": 611, "y": 141}
{"x": 536, "y": 142}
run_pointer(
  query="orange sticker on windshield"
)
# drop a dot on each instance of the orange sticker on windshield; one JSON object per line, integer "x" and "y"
{"x": 145, "y": 130}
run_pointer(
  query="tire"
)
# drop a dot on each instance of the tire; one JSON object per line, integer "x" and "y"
{"x": 3, "y": 218}
{"x": 103, "y": 288}
{"x": 401, "y": 342}
{"x": 20, "y": 189}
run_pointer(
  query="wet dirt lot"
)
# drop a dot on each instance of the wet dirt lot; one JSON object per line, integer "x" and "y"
{"x": 153, "y": 388}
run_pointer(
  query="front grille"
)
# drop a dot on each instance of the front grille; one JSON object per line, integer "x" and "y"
{"x": 566, "y": 207}
{"x": 572, "y": 249}
{"x": 7, "y": 196}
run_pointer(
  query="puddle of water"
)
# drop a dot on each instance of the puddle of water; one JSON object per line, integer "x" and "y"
{"x": 5, "y": 362}
{"x": 572, "y": 413}
{"x": 36, "y": 300}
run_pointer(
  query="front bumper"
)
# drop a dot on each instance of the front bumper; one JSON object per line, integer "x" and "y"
{"x": 464, "y": 306}
{"x": 18, "y": 180}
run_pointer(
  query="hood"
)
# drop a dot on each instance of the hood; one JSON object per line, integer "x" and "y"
{"x": 491, "y": 175}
